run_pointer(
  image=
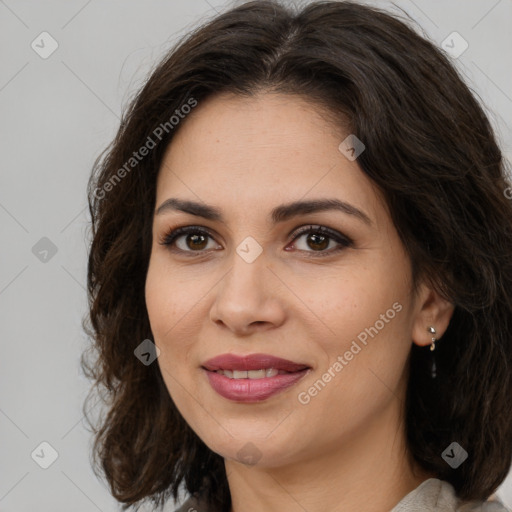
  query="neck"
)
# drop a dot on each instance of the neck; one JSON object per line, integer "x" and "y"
{"x": 365, "y": 470}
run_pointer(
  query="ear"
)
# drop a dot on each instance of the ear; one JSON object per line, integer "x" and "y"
{"x": 431, "y": 310}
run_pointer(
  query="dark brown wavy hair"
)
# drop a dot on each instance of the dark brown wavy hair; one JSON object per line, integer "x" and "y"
{"x": 432, "y": 152}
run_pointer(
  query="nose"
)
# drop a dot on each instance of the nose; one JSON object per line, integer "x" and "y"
{"x": 246, "y": 300}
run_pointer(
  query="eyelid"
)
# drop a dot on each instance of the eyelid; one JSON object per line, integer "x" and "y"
{"x": 324, "y": 230}
{"x": 172, "y": 234}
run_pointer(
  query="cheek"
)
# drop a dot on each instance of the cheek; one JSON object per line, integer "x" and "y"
{"x": 368, "y": 327}
{"x": 352, "y": 299}
{"x": 166, "y": 297}
{"x": 158, "y": 301}
{"x": 171, "y": 304}
{"x": 163, "y": 313}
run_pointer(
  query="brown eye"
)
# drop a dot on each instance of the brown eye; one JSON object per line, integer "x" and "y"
{"x": 196, "y": 241}
{"x": 187, "y": 239}
{"x": 319, "y": 238}
{"x": 317, "y": 242}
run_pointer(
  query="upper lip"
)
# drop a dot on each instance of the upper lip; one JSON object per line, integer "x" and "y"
{"x": 251, "y": 362}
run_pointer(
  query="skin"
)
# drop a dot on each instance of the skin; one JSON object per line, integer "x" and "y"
{"x": 345, "y": 449}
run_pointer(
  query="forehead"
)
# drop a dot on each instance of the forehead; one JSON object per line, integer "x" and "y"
{"x": 267, "y": 120}
{"x": 261, "y": 149}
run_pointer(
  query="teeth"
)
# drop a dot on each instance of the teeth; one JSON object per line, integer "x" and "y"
{"x": 256, "y": 374}
{"x": 251, "y": 374}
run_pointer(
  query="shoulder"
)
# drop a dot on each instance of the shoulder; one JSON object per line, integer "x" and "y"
{"x": 192, "y": 504}
{"x": 432, "y": 495}
{"x": 483, "y": 506}
{"x": 437, "y": 495}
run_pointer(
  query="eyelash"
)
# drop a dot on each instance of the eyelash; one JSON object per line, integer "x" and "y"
{"x": 170, "y": 237}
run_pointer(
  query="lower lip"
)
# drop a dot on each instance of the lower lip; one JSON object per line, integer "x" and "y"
{"x": 252, "y": 390}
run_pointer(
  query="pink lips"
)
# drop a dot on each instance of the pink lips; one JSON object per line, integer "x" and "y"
{"x": 251, "y": 362}
{"x": 252, "y": 390}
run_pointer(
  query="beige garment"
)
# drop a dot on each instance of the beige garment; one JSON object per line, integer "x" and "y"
{"x": 431, "y": 495}
{"x": 438, "y": 495}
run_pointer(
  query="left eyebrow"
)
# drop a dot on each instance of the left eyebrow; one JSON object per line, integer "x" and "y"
{"x": 280, "y": 213}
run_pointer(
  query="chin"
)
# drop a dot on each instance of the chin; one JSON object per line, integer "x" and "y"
{"x": 252, "y": 449}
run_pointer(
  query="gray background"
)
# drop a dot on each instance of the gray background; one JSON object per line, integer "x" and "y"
{"x": 57, "y": 114}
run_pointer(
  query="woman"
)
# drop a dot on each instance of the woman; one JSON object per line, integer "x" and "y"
{"x": 300, "y": 277}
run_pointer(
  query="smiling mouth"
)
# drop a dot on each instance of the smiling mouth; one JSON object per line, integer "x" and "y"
{"x": 251, "y": 374}
{"x": 252, "y": 377}
{"x": 251, "y": 386}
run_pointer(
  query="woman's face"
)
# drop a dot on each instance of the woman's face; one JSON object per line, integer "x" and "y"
{"x": 339, "y": 303}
